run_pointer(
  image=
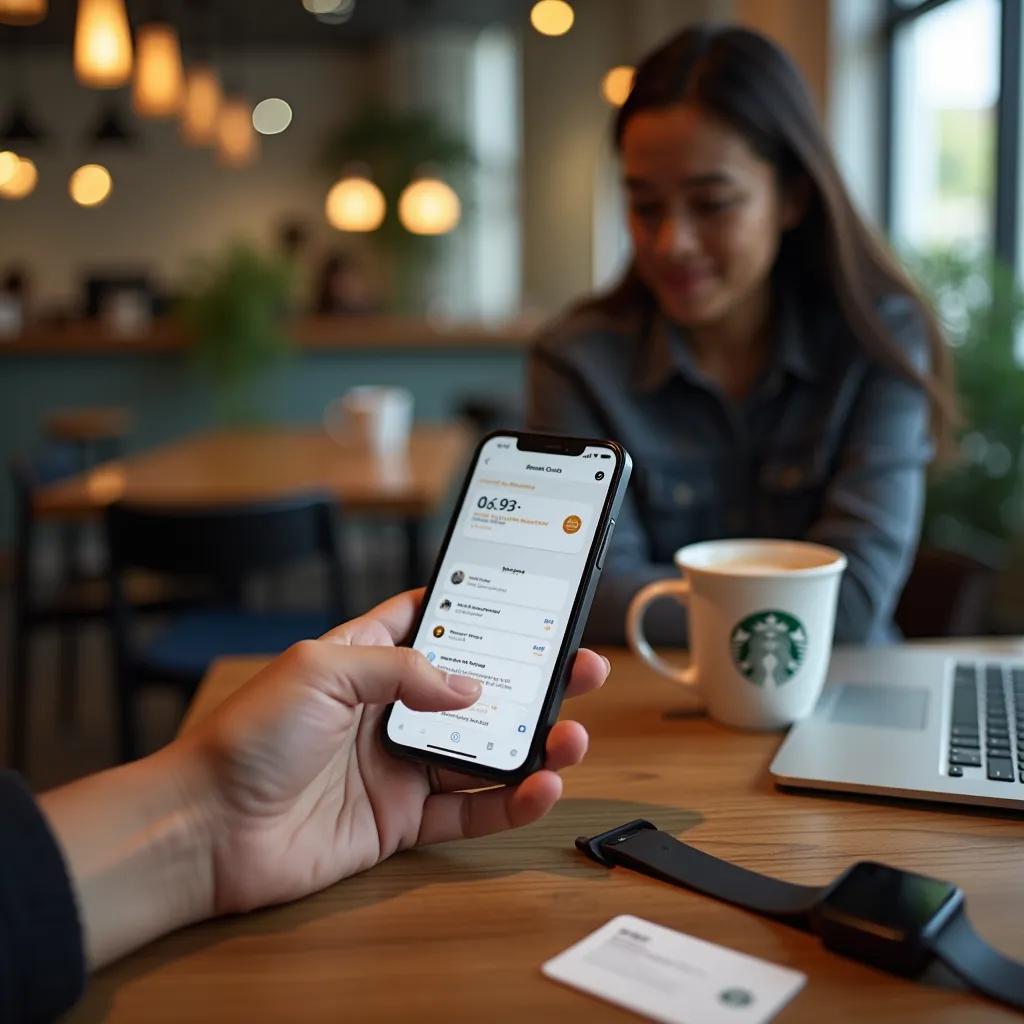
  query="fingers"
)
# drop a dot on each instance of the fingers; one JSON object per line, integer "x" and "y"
{"x": 390, "y": 622}
{"x": 567, "y": 744}
{"x": 379, "y": 675}
{"x": 448, "y": 816}
{"x": 589, "y": 672}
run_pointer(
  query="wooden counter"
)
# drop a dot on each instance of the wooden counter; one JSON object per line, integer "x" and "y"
{"x": 324, "y": 334}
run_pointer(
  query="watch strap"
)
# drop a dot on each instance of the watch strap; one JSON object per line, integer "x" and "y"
{"x": 642, "y": 847}
{"x": 975, "y": 962}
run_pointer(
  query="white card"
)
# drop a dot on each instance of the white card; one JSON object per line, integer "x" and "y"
{"x": 672, "y": 977}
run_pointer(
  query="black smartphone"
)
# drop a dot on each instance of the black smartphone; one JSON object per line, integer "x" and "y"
{"x": 509, "y": 598}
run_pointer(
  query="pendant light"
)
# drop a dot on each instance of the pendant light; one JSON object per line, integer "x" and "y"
{"x": 200, "y": 113}
{"x": 23, "y": 182}
{"x": 9, "y": 164}
{"x": 429, "y": 206}
{"x": 159, "y": 84}
{"x": 237, "y": 141}
{"x": 22, "y": 12}
{"x": 355, "y": 203}
{"x": 103, "y": 44}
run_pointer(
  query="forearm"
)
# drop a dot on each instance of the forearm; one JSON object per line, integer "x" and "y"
{"x": 135, "y": 842}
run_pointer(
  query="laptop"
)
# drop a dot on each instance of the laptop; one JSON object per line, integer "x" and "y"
{"x": 908, "y": 722}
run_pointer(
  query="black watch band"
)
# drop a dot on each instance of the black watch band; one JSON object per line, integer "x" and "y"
{"x": 643, "y": 847}
{"x": 977, "y": 964}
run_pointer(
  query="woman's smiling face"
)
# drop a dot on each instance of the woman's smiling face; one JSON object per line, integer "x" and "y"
{"x": 706, "y": 212}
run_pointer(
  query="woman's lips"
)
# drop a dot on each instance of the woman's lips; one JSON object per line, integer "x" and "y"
{"x": 683, "y": 280}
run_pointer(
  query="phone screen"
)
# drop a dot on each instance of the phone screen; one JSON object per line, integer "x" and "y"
{"x": 504, "y": 594}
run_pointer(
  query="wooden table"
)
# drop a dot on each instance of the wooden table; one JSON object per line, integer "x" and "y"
{"x": 458, "y": 932}
{"x": 235, "y": 466}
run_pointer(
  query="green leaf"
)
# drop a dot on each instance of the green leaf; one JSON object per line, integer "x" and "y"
{"x": 237, "y": 308}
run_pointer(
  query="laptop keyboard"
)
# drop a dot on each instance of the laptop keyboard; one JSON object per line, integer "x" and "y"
{"x": 987, "y": 722}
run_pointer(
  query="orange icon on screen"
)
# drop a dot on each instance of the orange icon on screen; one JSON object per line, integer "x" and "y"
{"x": 572, "y": 524}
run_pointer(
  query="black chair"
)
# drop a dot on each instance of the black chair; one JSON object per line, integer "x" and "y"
{"x": 32, "y": 609}
{"x": 947, "y": 594}
{"x": 224, "y": 546}
{"x": 71, "y": 599}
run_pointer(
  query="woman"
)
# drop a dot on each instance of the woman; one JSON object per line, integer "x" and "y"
{"x": 766, "y": 362}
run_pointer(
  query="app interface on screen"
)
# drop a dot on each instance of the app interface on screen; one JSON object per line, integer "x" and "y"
{"x": 500, "y": 607}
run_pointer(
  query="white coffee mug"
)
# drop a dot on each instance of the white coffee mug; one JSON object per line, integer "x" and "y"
{"x": 378, "y": 418}
{"x": 762, "y": 617}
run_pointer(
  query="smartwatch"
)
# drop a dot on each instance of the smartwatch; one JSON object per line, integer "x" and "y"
{"x": 891, "y": 919}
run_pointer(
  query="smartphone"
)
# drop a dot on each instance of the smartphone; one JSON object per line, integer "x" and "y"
{"x": 509, "y": 598}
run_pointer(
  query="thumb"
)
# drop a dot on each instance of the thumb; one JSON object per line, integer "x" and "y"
{"x": 379, "y": 675}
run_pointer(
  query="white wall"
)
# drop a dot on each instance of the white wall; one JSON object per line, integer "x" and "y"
{"x": 169, "y": 201}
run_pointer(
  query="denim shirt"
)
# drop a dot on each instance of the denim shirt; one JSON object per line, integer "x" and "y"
{"x": 828, "y": 447}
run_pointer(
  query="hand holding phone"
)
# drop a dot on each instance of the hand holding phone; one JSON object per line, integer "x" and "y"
{"x": 509, "y": 598}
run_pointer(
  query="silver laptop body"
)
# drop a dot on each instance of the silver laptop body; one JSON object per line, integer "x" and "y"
{"x": 891, "y": 721}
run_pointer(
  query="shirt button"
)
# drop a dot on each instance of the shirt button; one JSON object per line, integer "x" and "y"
{"x": 682, "y": 495}
{"x": 791, "y": 478}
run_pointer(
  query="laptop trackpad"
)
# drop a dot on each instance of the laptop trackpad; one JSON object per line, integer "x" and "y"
{"x": 892, "y": 707}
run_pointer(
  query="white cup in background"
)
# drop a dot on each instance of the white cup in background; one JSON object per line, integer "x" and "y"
{"x": 762, "y": 618}
{"x": 378, "y": 418}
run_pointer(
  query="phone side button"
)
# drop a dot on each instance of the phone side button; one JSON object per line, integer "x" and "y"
{"x": 604, "y": 543}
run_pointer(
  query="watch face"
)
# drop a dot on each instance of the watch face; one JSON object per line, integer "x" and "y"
{"x": 886, "y": 902}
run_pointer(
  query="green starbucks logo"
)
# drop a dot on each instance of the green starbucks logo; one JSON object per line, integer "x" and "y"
{"x": 769, "y": 647}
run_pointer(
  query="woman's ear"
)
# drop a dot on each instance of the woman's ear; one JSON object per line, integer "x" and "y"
{"x": 796, "y": 198}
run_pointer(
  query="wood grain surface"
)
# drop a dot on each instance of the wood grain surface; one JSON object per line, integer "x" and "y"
{"x": 235, "y": 466}
{"x": 458, "y": 932}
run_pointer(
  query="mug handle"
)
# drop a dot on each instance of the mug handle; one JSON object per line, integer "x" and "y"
{"x": 680, "y": 590}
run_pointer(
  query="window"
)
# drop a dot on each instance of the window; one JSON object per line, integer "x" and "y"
{"x": 945, "y": 94}
{"x": 952, "y": 168}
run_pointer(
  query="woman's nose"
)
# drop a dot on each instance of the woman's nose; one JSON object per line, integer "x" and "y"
{"x": 677, "y": 237}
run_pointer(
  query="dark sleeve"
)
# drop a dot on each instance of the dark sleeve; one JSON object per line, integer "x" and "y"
{"x": 875, "y": 500}
{"x": 558, "y": 403}
{"x": 42, "y": 961}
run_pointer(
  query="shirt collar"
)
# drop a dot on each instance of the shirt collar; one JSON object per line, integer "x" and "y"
{"x": 664, "y": 353}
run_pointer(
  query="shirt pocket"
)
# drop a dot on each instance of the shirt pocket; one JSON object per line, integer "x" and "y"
{"x": 792, "y": 484}
{"x": 680, "y": 497}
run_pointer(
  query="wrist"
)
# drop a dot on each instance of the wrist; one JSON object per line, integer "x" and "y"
{"x": 136, "y": 841}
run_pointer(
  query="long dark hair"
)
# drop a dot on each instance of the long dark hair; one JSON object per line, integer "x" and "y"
{"x": 748, "y": 82}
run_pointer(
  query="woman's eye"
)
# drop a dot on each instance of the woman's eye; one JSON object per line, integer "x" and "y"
{"x": 712, "y": 206}
{"x": 647, "y": 211}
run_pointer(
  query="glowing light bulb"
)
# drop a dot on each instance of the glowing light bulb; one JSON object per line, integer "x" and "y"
{"x": 200, "y": 112}
{"x": 8, "y": 166}
{"x": 159, "y": 86}
{"x": 237, "y": 141}
{"x": 355, "y": 204}
{"x": 103, "y": 44}
{"x": 90, "y": 185}
{"x": 618, "y": 84}
{"x": 552, "y": 17}
{"x": 271, "y": 116}
{"x": 23, "y": 182}
{"x": 429, "y": 207}
{"x": 22, "y": 12}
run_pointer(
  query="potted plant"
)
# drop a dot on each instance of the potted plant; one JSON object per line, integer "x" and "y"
{"x": 236, "y": 307}
{"x": 975, "y": 502}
